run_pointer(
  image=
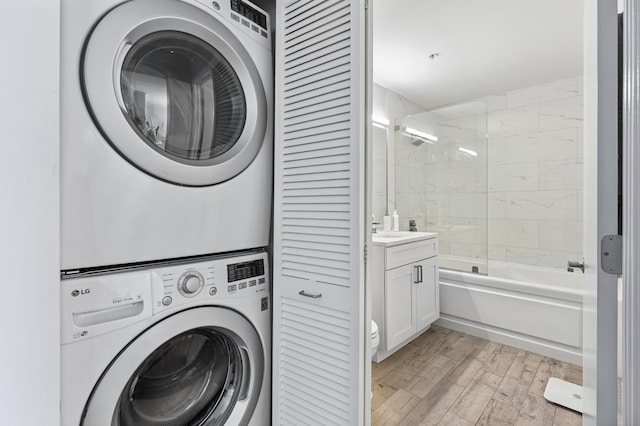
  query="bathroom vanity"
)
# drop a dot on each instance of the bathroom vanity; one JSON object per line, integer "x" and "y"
{"x": 405, "y": 297}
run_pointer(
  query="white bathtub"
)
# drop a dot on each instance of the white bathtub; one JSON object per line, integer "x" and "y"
{"x": 536, "y": 309}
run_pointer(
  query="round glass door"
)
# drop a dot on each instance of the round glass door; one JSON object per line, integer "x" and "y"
{"x": 191, "y": 379}
{"x": 173, "y": 89}
{"x": 182, "y": 97}
{"x": 201, "y": 366}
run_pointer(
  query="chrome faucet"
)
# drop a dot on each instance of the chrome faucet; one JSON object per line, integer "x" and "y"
{"x": 571, "y": 265}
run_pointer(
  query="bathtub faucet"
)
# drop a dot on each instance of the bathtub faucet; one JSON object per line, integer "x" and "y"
{"x": 573, "y": 264}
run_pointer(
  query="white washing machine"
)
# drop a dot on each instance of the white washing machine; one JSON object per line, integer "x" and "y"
{"x": 177, "y": 344}
{"x": 166, "y": 129}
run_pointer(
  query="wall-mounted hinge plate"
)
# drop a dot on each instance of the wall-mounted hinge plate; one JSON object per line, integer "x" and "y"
{"x": 611, "y": 254}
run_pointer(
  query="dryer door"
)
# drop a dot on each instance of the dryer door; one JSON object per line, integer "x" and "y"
{"x": 175, "y": 91}
{"x": 203, "y": 366}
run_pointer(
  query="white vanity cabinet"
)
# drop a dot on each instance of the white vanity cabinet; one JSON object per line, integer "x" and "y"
{"x": 405, "y": 287}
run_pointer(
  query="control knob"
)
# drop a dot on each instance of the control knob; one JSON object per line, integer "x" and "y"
{"x": 190, "y": 284}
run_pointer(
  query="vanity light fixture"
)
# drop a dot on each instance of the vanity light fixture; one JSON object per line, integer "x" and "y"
{"x": 426, "y": 137}
{"x": 380, "y": 122}
{"x": 468, "y": 151}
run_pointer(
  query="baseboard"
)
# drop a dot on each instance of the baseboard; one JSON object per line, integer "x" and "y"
{"x": 507, "y": 337}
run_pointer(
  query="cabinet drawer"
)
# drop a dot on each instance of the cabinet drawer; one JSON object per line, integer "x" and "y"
{"x": 410, "y": 252}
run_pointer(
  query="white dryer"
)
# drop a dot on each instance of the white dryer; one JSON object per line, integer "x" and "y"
{"x": 179, "y": 344}
{"x": 166, "y": 134}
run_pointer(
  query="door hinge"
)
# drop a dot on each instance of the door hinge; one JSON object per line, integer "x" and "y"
{"x": 611, "y": 254}
{"x": 366, "y": 4}
{"x": 366, "y": 253}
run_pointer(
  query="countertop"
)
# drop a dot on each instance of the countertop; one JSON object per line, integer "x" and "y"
{"x": 396, "y": 238}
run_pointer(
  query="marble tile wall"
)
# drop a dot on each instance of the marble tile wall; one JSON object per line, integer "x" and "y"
{"x": 520, "y": 198}
{"x": 442, "y": 188}
{"x": 535, "y": 174}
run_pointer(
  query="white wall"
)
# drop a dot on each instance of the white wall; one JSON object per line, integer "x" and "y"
{"x": 29, "y": 222}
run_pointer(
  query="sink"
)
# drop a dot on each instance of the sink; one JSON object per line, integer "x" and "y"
{"x": 393, "y": 234}
{"x": 393, "y": 238}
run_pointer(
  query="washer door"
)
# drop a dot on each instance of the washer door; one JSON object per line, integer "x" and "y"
{"x": 174, "y": 91}
{"x": 202, "y": 366}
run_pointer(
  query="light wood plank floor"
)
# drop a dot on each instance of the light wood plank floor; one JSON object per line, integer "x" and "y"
{"x": 449, "y": 378}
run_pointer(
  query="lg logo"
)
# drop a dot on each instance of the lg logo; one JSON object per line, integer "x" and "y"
{"x": 76, "y": 293}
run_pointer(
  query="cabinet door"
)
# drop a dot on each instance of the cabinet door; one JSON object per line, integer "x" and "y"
{"x": 427, "y": 297}
{"x": 399, "y": 306}
{"x": 319, "y": 231}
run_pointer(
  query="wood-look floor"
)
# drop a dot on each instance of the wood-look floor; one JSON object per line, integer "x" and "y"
{"x": 449, "y": 378}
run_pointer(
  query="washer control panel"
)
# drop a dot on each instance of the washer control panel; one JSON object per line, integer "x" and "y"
{"x": 209, "y": 280}
{"x": 98, "y": 304}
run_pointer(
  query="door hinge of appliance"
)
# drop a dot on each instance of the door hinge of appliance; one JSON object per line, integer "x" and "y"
{"x": 611, "y": 254}
{"x": 366, "y": 253}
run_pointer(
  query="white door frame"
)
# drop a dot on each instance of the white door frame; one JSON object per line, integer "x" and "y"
{"x": 631, "y": 217}
{"x": 600, "y": 207}
{"x": 368, "y": 222}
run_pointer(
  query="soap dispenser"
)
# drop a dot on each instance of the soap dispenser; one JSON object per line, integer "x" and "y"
{"x": 396, "y": 221}
{"x": 386, "y": 221}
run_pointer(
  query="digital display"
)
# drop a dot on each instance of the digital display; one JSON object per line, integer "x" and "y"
{"x": 249, "y": 12}
{"x": 242, "y": 271}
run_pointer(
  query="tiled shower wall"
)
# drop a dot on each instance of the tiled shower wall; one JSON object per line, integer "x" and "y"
{"x": 520, "y": 199}
{"x": 442, "y": 188}
{"x": 536, "y": 173}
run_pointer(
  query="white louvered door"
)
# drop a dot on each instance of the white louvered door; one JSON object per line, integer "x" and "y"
{"x": 318, "y": 300}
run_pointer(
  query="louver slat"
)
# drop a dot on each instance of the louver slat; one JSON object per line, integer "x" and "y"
{"x": 312, "y": 11}
{"x": 318, "y": 210}
{"x": 315, "y": 94}
{"x": 314, "y": 385}
{"x": 304, "y": 106}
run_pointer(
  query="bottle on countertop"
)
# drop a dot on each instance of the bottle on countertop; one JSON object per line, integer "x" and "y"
{"x": 396, "y": 221}
{"x": 386, "y": 220}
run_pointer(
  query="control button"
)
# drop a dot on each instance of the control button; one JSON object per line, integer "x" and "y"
{"x": 232, "y": 288}
{"x": 262, "y": 281}
{"x": 166, "y": 301}
{"x": 213, "y": 291}
{"x": 235, "y": 17}
{"x": 252, "y": 283}
{"x": 242, "y": 285}
{"x": 263, "y": 33}
{"x": 254, "y": 28}
{"x": 246, "y": 23}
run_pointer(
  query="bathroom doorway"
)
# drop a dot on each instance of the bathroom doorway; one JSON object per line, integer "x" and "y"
{"x": 505, "y": 96}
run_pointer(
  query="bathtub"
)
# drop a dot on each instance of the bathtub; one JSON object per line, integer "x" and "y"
{"x": 532, "y": 308}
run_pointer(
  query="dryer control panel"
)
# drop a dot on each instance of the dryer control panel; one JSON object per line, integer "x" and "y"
{"x": 245, "y": 16}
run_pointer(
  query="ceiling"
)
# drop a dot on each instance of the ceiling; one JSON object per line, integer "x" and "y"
{"x": 484, "y": 46}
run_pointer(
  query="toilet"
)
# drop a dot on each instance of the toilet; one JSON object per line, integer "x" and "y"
{"x": 375, "y": 338}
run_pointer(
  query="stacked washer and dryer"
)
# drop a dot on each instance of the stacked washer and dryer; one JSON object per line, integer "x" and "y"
{"x": 166, "y": 210}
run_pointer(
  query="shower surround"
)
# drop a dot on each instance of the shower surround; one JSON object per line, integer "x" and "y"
{"x": 504, "y": 180}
